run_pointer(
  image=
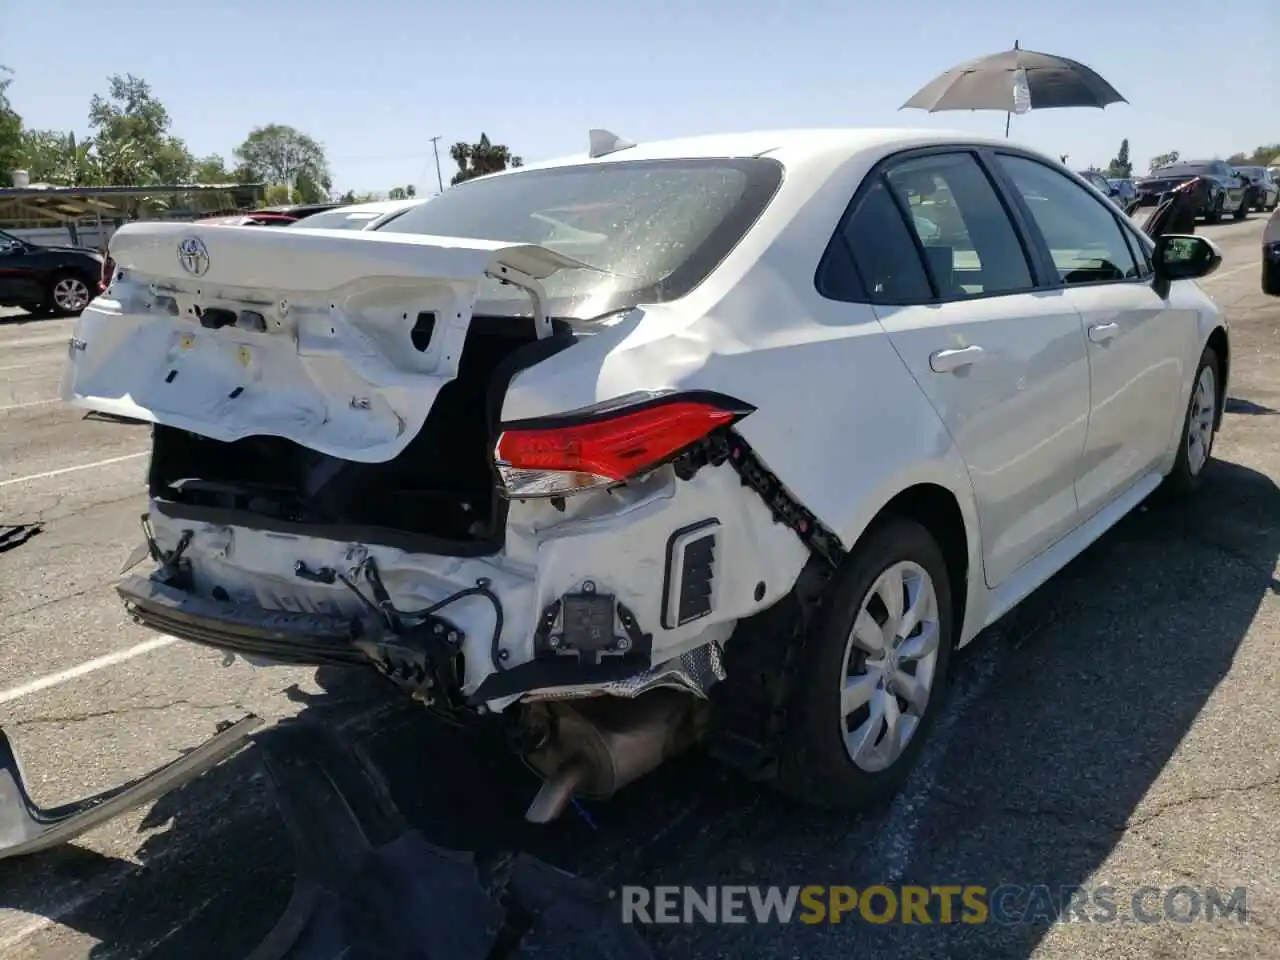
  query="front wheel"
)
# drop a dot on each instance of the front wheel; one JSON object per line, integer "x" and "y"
{"x": 1199, "y": 426}
{"x": 1243, "y": 210}
{"x": 873, "y": 672}
{"x": 1214, "y": 213}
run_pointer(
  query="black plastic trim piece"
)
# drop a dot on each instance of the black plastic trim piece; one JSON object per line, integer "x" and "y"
{"x": 668, "y": 621}
{"x": 303, "y": 638}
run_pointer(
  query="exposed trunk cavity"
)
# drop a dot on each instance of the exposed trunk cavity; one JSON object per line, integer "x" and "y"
{"x": 438, "y": 495}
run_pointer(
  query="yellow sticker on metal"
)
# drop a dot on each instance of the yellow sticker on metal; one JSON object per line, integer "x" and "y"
{"x": 188, "y": 341}
{"x": 245, "y": 356}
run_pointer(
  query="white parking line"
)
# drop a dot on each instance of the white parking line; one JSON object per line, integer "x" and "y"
{"x": 29, "y": 403}
{"x": 83, "y": 669}
{"x": 83, "y": 466}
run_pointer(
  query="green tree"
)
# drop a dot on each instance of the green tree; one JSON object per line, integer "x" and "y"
{"x": 10, "y": 131}
{"x": 280, "y": 154}
{"x": 477, "y": 159}
{"x": 131, "y": 134}
{"x": 52, "y": 156}
{"x": 1121, "y": 165}
{"x": 1262, "y": 156}
{"x": 210, "y": 169}
{"x": 1163, "y": 160}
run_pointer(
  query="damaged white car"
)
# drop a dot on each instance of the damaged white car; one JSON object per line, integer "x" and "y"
{"x": 729, "y": 439}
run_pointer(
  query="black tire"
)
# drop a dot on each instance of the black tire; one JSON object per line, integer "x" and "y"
{"x": 816, "y": 767}
{"x": 1241, "y": 211}
{"x": 1187, "y": 473}
{"x": 53, "y": 295}
{"x": 1214, "y": 213}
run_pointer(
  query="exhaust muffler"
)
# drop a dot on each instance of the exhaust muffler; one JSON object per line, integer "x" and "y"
{"x": 595, "y": 746}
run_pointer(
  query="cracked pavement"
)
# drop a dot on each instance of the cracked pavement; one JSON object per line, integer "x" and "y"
{"x": 1121, "y": 727}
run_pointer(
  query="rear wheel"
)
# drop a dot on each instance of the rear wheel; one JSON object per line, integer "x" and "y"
{"x": 1199, "y": 426}
{"x": 1214, "y": 213}
{"x": 1242, "y": 211}
{"x": 68, "y": 294}
{"x": 873, "y": 672}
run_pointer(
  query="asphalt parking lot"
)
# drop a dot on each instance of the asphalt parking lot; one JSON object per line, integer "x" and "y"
{"x": 1122, "y": 726}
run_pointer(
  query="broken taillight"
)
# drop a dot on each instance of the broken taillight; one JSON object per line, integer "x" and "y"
{"x": 600, "y": 447}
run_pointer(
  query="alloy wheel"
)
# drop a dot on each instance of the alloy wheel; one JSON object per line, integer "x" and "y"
{"x": 1204, "y": 408}
{"x": 890, "y": 662}
{"x": 71, "y": 295}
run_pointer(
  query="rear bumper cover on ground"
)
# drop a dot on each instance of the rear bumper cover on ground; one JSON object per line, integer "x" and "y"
{"x": 26, "y": 828}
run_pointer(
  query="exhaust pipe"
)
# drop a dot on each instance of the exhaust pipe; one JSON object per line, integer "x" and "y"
{"x": 598, "y": 745}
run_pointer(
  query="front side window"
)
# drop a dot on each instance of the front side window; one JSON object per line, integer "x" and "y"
{"x": 970, "y": 243}
{"x": 652, "y": 230}
{"x": 1083, "y": 236}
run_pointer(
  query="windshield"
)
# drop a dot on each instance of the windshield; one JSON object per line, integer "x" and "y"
{"x": 1183, "y": 170}
{"x": 653, "y": 229}
{"x": 1251, "y": 171}
{"x": 338, "y": 220}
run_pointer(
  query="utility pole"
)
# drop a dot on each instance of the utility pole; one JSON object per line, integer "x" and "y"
{"x": 435, "y": 148}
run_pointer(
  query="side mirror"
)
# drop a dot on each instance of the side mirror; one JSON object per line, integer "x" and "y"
{"x": 1271, "y": 269}
{"x": 1179, "y": 257}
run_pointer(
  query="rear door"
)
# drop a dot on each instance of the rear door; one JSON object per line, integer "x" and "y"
{"x": 1136, "y": 339}
{"x": 1002, "y": 361}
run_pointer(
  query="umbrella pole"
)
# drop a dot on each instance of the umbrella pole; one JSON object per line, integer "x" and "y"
{"x": 1007, "y": 117}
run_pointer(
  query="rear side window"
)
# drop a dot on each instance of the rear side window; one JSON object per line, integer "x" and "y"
{"x": 970, "y": 244}
{"x": 875, "y": 241}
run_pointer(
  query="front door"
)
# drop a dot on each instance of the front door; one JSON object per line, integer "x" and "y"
{"x": 1136, "y": 339}
{"x": 1002, "y": 362}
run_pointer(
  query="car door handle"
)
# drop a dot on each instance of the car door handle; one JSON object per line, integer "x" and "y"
{"x": 948, "y": 361}
{"x": 1102, "y": 332}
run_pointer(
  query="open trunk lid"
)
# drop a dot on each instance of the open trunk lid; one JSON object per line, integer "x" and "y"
{"x": 337, "y": 340}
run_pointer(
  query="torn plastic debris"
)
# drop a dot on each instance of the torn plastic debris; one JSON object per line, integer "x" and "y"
{"x": 369, "y": 888}
{"x": 26, "y": 828}
{"x": 14, "y": 534}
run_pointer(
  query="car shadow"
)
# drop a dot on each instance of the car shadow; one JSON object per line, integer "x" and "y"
{"x": 21, "y": 319}
{"x": 1060, "y": 719}
{"x": 1248, "y": 407}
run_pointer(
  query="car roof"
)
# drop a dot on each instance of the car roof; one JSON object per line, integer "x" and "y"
{"x": 793, "y": 147}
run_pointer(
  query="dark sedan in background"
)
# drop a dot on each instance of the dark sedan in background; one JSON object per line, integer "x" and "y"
{"x": 1227, "y": 193}
{"x": 45, "y": 280}
{"x": 1265, "y": 194}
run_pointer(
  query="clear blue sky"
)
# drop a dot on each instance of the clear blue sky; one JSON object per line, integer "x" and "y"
{"x": 373, "y": 80}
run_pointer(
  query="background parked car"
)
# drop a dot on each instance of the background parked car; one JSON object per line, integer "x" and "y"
{"x": 1099, "y": 181}
{"x": 1227, "y": 192}
{"x": 1124, "y": 190}
{"x": 359, "y": 216}
{"x": 1265, "y": 193}
{"x": 48, "y": 281}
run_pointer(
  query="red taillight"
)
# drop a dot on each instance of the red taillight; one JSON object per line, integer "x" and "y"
{"x": 559, "y": 456}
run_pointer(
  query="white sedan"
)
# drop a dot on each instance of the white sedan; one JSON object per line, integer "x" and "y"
{"x": 733, "y": 438}
{"x": 358, "y": 216}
